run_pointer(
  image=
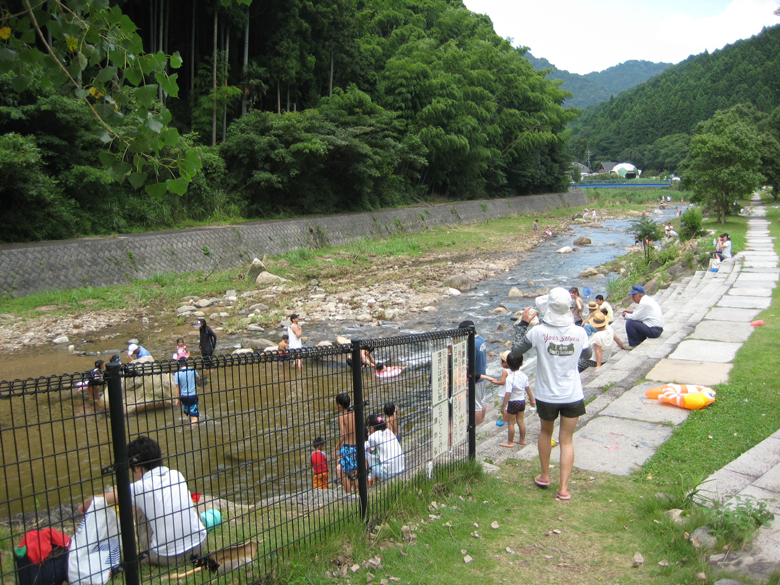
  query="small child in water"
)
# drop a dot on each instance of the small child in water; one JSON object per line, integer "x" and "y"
{"x": 319, "y": 463}
{"x": 181, "y": 350}
{"x": 517, "y": 387}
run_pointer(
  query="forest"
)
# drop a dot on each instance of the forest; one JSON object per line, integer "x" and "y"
{"x": 597, "y": 86}
{"x": 121, "y": 115}
{"x": 651, "y": 125}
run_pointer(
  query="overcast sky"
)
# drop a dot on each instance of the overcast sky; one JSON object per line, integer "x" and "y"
{"x": 591, "y": 35}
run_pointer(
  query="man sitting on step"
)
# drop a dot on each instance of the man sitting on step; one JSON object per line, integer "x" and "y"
{"x": 646, "y": 320}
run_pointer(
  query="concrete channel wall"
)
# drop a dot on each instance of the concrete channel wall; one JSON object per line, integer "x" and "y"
{"x": 31, "y": 268}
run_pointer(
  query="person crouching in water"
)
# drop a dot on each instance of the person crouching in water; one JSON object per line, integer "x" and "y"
{"x": 383, "y": 451}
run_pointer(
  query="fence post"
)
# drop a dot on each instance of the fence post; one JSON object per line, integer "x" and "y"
{"x": 471, "y": 361}
{"x": 360, "y": 427}
{"x": 116, "y": 409}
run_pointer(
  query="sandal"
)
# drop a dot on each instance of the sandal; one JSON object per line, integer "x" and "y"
{"x": 540, "y": 483}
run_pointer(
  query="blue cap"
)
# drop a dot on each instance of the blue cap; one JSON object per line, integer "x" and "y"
{"x": 637, "y": 290}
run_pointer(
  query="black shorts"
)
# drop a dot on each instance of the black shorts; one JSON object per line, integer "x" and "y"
{"x": 549, "y": 411}
{"x": 515, "y": 406}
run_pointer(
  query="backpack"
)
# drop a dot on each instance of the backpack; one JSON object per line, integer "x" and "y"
{"x": 42, "y": 558}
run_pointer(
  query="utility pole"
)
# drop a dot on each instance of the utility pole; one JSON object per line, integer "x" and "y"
{"x": 589, "y": 160}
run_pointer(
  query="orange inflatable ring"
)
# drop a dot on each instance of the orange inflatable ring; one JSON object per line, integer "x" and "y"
{"x": 683, "y": 395}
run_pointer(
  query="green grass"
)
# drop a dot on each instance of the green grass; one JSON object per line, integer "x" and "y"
{"x": 598, "y": 533}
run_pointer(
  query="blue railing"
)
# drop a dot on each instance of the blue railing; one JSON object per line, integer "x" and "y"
{"x": 612, "y": 183}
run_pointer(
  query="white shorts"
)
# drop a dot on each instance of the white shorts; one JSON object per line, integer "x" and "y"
{"x": 480, "y": 395}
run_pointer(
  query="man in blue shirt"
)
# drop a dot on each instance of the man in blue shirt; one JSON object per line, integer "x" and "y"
{"x": 185, "y": 380}
{"x": 480, "y": 372}
{"x": 135, "y": 352}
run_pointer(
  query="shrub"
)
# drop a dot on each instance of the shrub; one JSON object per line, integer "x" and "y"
{"x": 690, "y": 224}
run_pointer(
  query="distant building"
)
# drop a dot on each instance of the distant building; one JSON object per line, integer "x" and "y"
{"x": 605, "y": 167}
{"x": 625, "y": 170}
{"x": 584, "y": 170}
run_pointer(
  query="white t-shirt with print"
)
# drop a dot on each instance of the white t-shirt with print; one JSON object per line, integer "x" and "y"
{"x": 558, "y": 350}
{"x": 163, "y": 497}
{"x": 516, "y": 383}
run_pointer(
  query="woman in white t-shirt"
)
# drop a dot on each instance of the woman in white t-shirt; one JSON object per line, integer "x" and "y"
{"x": 295, "y": 332}
{"x": 558, "y": 389}
{"x": 387, "y": 459}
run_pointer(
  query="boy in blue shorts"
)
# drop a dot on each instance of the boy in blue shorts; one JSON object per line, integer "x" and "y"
{"x": 346, "y": 447}
{"x": 185, "y": 380}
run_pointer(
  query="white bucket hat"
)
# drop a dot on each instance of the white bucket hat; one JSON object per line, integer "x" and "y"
{"x": 556, "y": 307}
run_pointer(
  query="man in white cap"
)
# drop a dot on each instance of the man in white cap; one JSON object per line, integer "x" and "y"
{"x": 559, "y": 343}
{"x": 135, "y": 352}
{"x": 646, "y": 321}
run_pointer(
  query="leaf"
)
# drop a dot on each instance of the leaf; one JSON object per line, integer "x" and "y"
{"x": 107, "y": 74}
{"x": 119, "y": 170}
{"x": 176, "y": 60}
{"x": 170, "y": 86}
{"x": 21, "y": 82}
{"x": 193, "y": 158}
{"x": 153, "y": 124}
{"x": 7, "y": 55}
{"x": 156, "y": 190}
{"x": 107, "y": 158}
{"x": 169, "y": 137}
{"x": 134, "y": 76}
{"x": 137, "y": 179}
{"x": 146, "y": 94}
{"x": 178, "y": 186}
{"x": 32, "y": 56}
{"x": 81, "y": 93}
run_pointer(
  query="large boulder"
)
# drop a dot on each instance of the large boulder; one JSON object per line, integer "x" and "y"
{"x": 256, "y": 343}
{"x": 564, "y": 250}
{"x": 460, "y": 282}
{"x": 588, "y": 272}
{"x": 268, "y": 278}
{"x": 146, "y": 392}
{"x": 515, "y": 292}
{"x": 255, "y": 269}
{"x": 582, "y": 241}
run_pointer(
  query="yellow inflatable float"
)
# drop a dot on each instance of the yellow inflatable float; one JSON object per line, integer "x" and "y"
{"x": 683, "y": 395}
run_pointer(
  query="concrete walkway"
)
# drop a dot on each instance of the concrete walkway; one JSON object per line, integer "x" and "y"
{"x": 623, "y": 428}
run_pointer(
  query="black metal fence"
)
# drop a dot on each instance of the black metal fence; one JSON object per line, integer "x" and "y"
{"x": 246, "y": 453}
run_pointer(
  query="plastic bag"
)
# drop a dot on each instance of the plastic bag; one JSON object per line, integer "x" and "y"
{"x": 94, "y": 549}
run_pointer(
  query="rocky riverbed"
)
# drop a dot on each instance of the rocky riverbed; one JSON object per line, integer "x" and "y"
{"x": 400, "y": 287}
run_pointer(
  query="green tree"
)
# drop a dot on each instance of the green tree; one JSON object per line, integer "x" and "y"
{"x": 725, "y": 160}
{"x": 646, "y": 231}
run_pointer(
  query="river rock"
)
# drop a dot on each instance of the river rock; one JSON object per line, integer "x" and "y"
{"x": 341, "y": 340}
{"x": 203, "y": 303}
{"x": 430, "y": 309}
{"x": 499, "y": 310}
{"x": 588, "y": 272}
{"x": 582, "y": 241}
{"x": 392, "y": 314}
{"x": 564, "y": 250}
{"x": 185, "y": 309}
{"x": 593, "y": 224}
{"x": 453, "y": 292}
{"x": 256, "y": 343}
{"x": 231, "y": 293}
{"x": 363, "y": 318}
{"x": 253, "y": 327}
{"x": 267, "y": 278}
{"x": 515, "y": 292}
{"x": 324, "y": 343}
{"x": 460, "y": 282}
{"x": 261, "y": 307}
{"x": 60, "y": 340}
{"x": 146, "y": 392}
{"x": 703, "y": 538}
{"x": 255, "y": 269}
{"x": 243, "y": 351}
{"x": 537, "y": 293}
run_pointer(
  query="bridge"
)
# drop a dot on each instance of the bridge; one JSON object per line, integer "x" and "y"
{"x": 622, "y": 183}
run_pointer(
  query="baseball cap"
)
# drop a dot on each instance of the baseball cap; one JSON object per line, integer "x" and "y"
{"x": 637, "y": 290}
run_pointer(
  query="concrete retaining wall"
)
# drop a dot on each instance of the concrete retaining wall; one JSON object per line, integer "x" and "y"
{"x": 31, "y": 268}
